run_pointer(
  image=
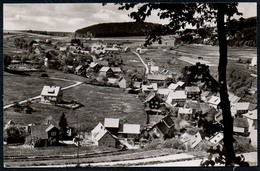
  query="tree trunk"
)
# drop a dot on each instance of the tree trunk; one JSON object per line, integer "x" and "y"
{"x": 225, "y": 103}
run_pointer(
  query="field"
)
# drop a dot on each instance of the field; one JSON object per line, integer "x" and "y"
{"x": 99, "y": 102}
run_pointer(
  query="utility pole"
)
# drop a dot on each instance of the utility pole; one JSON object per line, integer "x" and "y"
{"x": 78, "y": 138}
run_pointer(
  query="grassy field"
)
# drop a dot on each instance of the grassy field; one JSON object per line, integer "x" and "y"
{"x": 17, "y": 87}
{"x": 99, "y": 102}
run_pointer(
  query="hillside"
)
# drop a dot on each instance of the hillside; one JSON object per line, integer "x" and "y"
{"x": 116, "y": 29}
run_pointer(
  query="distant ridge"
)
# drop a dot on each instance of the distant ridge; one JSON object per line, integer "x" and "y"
{"x": 122, "y": 29}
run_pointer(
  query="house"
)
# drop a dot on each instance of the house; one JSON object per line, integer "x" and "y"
{"x": 112, "y": 125}
{"x": 122, "y": 82}
{"x": 98, "y": 48}
{"x": 141, "y": 51}
{"x": 214, "y": 101}
{"x": 117, "y": 71}
{"x": 162, "y": 127}
{"x": 241, "y": 126}
{"x": 47, "y": 134}
{"x": 157, "y": 78}
{"x": 136, "y": 77}
{"x": 252, "y": 118}
{"x": 148, "y": 88}
{"x": 253, "y": 62}
{"x": 51, "y": 94}
{"x": 217, "y": 138}
{"x": 102, "y": 137}
{"x": 174, "y": 87}
{"x": 153, "y": 101}
{"x": 136, "y": 85}
{"x": 153, "y": 69}
{"x": 94, "y": 67}
{"x": 181, "y": 84}
{"x": 103, "y": 63}
{"x": 106, "y": 72}
{"x": 163, "y": 92}
{"x": 185, "y": 113}
{"x": 241, "y": 107}
{"x": 129, "y": 131}
{"x": 177, "y": 98}
{"x": 233, "y": 98}
{"x": 193, "y": 93}
{"x": 191, "y": 140}
{"x": 112, "y": 81}
{"x": 80, "y": 70}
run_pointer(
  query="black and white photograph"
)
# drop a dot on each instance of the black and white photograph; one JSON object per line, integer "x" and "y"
{"x": 90, "y": 85}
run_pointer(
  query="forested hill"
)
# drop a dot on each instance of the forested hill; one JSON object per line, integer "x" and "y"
{"x": 116, "y": 29}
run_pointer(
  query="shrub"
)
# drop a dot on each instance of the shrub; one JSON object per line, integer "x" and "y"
{"x": 15, "y": 134}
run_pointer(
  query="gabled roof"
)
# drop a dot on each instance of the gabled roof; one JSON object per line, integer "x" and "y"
{"x": 116, "y": 69}
{"x": 168, "y": 121}
{"x": 150, "y": 96}
{"x": 50, "y": 91}
{"x": 192, "y": 89}
{"x": 152, "y": 86}
{"x": 41, "y": 131}
{"x": 93, "y": 64}
{"x": 233, "y": 98}
{"x": 176, "y": 95}
{"x": 251, "y": 114}
{"x": 154, "y": 68}
{"x": 104, "y": 69}
{"x": 137, "y": 84}
{"x": 78, "y": 67}
{"x": 214, "y": 100}
{"x": 173, "y": 86}
{"x": 242, "y": 105}
{"x": 180, "y": 83}
{"x": 157, "y": 77}
{"x": 100, "y": 134}
{"x": 185, "y": 110}
{"x": 112, "y": 80}
{"x": 111, "y": 123}
{"x": 97, "y": 128}
{"x": 240, "y": 122}
{"x": 129, "y": 129}
{"x": 163, "y": 91}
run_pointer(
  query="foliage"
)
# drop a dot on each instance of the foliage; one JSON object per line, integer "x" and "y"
{"x": 117, "y": 29}
{"x": 63, "y": 126}
{"x": 20, "y": 43}
{"x": 15, "y": 134}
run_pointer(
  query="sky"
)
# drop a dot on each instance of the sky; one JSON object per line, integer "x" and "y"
{"x": 72, "y": 16}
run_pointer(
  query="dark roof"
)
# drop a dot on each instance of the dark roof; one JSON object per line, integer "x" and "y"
{"x": 168, "y": 121}
{"x": 41, "y": 131}
{"x": 162, "y": 127}
{"x": 241, "y": 122}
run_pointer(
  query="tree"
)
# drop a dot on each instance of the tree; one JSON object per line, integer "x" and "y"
{"x": 196, "y": 14}
{"x": 63, "y": 126}
{"x": 15, "y": 134}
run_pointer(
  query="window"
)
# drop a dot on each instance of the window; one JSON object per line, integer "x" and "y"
{"x": 53, "y": 133}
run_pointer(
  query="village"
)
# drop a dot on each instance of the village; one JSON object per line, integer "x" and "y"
{"x": 184, "y": 110}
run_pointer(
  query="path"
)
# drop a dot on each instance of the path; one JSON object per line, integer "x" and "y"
{"x": 146, "y": 67}
{"x": 37, "y": 97}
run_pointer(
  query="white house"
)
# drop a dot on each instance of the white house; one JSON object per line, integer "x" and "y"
{"x": 51, "y": 94}
{"x": 214, "y": 101}
{"x": 185, "y": 113}
{"x": 177, "y": 97}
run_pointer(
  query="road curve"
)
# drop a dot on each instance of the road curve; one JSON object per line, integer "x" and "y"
{"x": 146, "y": 67}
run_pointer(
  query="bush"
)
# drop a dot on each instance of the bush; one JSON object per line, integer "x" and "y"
{"x": 15, "y": 135}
